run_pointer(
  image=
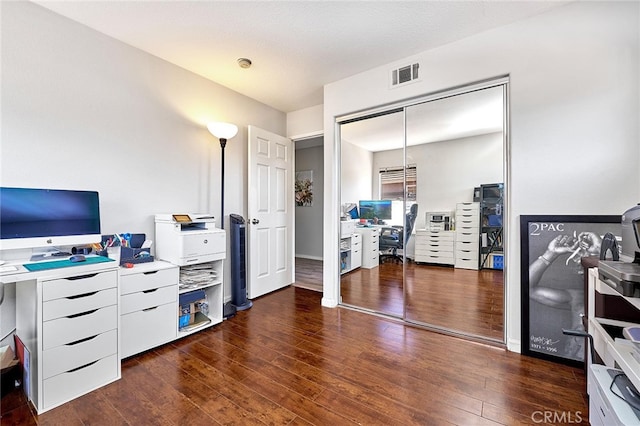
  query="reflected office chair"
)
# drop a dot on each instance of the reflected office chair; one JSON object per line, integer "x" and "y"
{"x": 396, "y": 237}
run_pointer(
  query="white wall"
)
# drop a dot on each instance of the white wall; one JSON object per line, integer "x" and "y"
{"x": 357, "y": 169}
{"x": 83, "y": 111}
{"x": 447, "y": 170}
{"x": 305, "y": 122}
{"x": 309, "y": 219}
{"x": 574, "y": 107}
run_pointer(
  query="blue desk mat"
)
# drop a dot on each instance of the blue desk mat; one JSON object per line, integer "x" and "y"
{"x": 41, "y": 266}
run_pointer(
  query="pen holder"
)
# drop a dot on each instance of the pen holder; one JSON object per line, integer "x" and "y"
{"x": 134, "y": 254}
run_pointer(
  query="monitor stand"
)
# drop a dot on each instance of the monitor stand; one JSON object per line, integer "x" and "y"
{"x": 48, "y": 254}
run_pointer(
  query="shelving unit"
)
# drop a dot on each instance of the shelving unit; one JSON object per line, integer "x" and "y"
{"x": 208, "y": 278}
{"x": 350, "y": 253}
{"x": 614, "y": 351}
{"x": 491, "y": 215}
{"x": 199, "y": 249}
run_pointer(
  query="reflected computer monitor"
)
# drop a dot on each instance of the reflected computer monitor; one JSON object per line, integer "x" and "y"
{"x": 370, "y": 209}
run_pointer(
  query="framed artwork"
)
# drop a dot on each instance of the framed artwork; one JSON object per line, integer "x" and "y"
{"x": 552, "y": 280}
{"x": 304, "y": 188}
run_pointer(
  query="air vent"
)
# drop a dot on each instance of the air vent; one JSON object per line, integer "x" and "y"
{"x": 404, "y": 75}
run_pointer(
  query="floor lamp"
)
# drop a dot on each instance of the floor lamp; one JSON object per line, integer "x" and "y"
{"x": 222, "y": 131}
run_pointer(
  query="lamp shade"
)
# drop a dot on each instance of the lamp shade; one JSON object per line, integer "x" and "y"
{"x": 223, "y": 130}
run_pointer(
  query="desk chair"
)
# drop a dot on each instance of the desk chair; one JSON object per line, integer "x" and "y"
{"x": 396, "y": 237}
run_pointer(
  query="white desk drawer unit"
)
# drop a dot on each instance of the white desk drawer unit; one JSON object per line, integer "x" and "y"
{"x": 467, "y": 235}
{"x": 370, "y": 247}
{"x": 78, "y": 345}
{"x": 434, "y": 247}
{"x": 148, "y": 306}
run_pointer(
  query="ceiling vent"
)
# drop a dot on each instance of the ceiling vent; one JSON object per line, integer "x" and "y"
{"x": 404, "y": 75}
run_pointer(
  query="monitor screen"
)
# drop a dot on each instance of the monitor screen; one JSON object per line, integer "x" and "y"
{"x": 375, "y": 209}
{"x": 32, "y": 217}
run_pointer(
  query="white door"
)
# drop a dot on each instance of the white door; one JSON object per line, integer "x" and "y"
{"x": 271, "y": 212}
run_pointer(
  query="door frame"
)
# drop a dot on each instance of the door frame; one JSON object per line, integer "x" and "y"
{"x": 504, "y": 81}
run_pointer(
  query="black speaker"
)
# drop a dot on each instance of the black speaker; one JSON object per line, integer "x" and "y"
{"x": 238, "y": 263}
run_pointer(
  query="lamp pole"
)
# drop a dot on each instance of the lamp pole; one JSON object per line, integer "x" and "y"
{"x": 222, "y": 131}
{"x": 223, "y": 144}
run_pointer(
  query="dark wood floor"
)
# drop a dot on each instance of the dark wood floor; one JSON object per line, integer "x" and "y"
{"x": 308, "y": 274}
{"x": 289, "y": 361}
{"x": 462, "y": 300}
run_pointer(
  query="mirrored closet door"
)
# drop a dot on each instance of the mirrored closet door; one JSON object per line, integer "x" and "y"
{"x": 424, "y": 185}
{"x": 370, "y": 210}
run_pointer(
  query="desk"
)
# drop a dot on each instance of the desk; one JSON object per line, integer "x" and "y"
{"x": 68, "y": 320}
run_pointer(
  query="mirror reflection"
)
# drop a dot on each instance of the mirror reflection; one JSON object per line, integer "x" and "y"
{"x": 435, "y": 206}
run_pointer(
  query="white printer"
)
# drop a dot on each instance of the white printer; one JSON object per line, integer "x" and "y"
{"x": 185, "y": 239}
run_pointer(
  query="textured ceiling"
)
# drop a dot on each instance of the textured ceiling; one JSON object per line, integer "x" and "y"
{"x": 296, "y": 47}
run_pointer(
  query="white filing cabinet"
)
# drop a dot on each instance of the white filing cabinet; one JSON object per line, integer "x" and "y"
{"x": 370, "y": 246}
{"x": 148, "y": 306}
{"x": 467, "y": 239}
{"x": 69, "y": 325}
{"x": 434, "y": 247}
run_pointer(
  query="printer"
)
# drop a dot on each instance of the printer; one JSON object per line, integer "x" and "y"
{"x": 191, "y": 238}
{"x": 624, "y": 275}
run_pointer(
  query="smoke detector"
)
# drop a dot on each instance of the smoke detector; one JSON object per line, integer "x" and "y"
{"x": 244, "y": 62}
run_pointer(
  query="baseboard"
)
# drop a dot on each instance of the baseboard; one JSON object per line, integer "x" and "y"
{"x": 329, "y": 302}
{"x": 304, "y": 256}
{"x": 514, "y": 345}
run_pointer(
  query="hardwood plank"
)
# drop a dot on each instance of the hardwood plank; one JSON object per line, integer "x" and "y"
{"x": 290, "y": 361}
{"x": 461, "y": 300}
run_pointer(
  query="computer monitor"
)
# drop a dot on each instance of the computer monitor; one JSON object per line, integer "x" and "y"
{"x": 35, "y": 218}
{"x": 375, "y": 209}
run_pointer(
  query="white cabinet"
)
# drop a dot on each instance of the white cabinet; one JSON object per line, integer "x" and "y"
{"x": 199, "y": 249}
{"x": 195, "y": 279}
{"x": 148, "y": 306}
{"x": 356, "y": 251}
{"x": 350, "y": 252}
{"x": 434, "y": 247}
{"x": 467, "y": 235}
{"x": 68, "y": 321}
{"x": 370, "y": 246}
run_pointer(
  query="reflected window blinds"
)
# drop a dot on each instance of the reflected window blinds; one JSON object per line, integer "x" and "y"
{"x": 392, "y": 181}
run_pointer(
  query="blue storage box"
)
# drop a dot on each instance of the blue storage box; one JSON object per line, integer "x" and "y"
{"x": 495, "y": 220}
{"x": 498, "y": 261}
{"x": 133, "y": 254}
{"x": 189, "y": 306}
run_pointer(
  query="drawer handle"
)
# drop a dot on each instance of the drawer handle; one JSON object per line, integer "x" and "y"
{"x": 150, "y": 272}
{"x": 81, "y": 277}
{"x": 150, "y": 309}
{"x": 82, "y": 314}
{"x": 83, "y": 366}
{"x": 150, "y": 291}
{"x": 78, "y": 296}
{"x": 81, "y": 340}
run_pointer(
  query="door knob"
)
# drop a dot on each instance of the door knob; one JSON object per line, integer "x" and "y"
{"x": 255, "y": 221}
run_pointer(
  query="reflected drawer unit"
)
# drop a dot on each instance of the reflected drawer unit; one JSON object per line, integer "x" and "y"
{"x": 434, "y": 247}
{"x": 148, "y": 306}
{"x": 370, "y": 246}
{"x": 467, "y": 235}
